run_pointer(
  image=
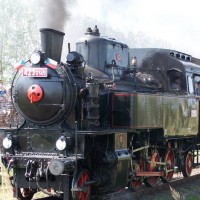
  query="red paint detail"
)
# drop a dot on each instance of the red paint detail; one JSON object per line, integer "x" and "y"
{"x": 150, "y": 174}
{"x": 169, "y": 159}
{"x": 19, "y": 67}
{"x": 52, "y": 66}
{"x": 118, "y": 57}
{"x": 189, "y": 162}
{"x": 137, "y": 183}
{"x": 152, "y": 169}
{"x": 84, "y": 195}
{"x": 35, "y": 93}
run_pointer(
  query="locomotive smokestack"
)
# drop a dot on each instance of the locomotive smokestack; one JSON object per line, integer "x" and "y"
{"x": 52, "y": 41}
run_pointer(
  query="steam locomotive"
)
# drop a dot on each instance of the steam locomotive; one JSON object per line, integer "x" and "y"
{"x": 109, "y": 118}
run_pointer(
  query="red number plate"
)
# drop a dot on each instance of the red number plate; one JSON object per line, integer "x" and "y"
{"x": 35, "y": 72}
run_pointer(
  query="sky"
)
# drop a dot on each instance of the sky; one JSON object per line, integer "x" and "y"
{"x": 176, "y": 22}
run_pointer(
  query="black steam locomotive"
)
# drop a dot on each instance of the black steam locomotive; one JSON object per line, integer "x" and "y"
{"x": 109, "y": 118}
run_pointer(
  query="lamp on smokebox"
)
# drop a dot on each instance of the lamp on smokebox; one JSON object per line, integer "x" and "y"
{"x": 37, "y": 57}
{"x": 7, "y": 141}
{"x": 61, "y": 143}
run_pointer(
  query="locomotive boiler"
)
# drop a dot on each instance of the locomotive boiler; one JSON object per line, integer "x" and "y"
{"x": 109, "y": 118}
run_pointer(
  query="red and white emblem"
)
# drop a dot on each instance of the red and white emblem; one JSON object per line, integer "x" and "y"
{"x": 118, "y": 57}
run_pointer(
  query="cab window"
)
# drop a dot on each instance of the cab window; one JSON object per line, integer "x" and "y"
{"x": 175, "y": 79}
{"x": 190, "y": 85}
{"x": 196, "y": 85}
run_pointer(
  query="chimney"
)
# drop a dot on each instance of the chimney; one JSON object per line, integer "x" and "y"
{"x": 52, "y": 41}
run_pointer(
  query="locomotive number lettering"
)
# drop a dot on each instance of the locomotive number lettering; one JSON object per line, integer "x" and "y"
{"x": 35, "y": 72}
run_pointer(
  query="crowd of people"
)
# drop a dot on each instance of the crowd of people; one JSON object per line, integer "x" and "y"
{"x": 7, "y": 112}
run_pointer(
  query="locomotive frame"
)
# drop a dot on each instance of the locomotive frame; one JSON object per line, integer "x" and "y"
{"x": 106, "y": 119}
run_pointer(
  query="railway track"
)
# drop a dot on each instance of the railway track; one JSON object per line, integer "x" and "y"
{"x": 179, "y": 189}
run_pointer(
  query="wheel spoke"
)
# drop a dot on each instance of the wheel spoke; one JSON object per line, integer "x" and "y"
{"x": 136, "y": 183}
{"x": 169, "y": 160}
{"x": 150, "y": 181}
{"x": 79, "y": 182}
{"x": 188, "y": 164}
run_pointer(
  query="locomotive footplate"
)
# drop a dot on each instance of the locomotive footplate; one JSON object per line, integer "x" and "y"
{"x": 44, "y": 160}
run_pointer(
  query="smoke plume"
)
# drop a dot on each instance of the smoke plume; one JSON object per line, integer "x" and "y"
{"x": 53, "y": 14}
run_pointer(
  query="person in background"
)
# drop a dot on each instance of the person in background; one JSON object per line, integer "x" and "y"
{"x": 176, "y": 84}
{"x": 2, "y": 90}
{"x": 2, "y": 104}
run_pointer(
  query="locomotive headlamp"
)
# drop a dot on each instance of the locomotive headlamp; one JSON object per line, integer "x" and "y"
{"x": 134, "y": 62}
{"x": 35, "y": 57}
{"x": 61, "y": 143}
{"x": 7, "y": 142}
{"x": 56, "y": 167}
{"x": 75, "y": 58}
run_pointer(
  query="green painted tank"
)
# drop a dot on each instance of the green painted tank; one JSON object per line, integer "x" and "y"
{"x": 177, "y": 116}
